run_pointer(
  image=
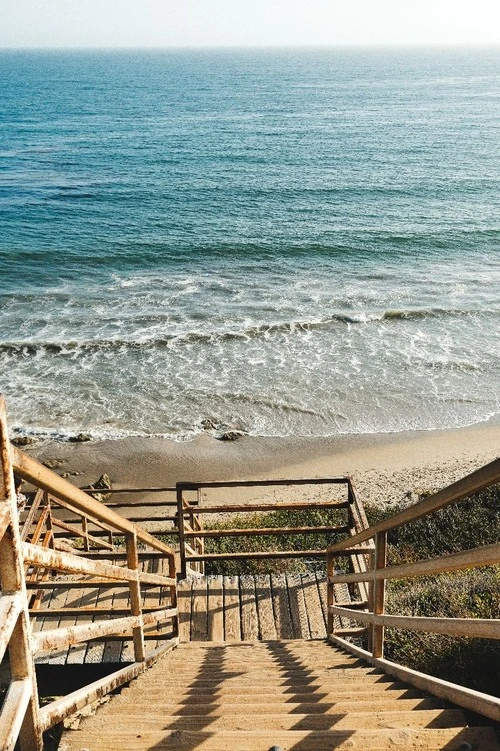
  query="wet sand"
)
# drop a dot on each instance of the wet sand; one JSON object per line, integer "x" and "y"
{"x": 386, "y": 468}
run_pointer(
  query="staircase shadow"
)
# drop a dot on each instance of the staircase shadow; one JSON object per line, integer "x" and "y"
{"x": 178, "y": 736}
{"x": 301, "y": 694}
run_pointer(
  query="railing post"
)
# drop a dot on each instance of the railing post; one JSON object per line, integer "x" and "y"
{"x": 22, "y": 665}
{"x": 370, "y": 588}
{"x": 135, "y": 596}
{"x": 379, "y": 593}
{"x": 180, "y": 525}
{"x": 330, "y": 596}
{"x": 173, "y": 590}
{"x": 85, "y": 532}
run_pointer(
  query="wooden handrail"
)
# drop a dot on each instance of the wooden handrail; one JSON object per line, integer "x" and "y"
{"x": 21, "y": 715}
{"x": 488, "y": 555}
{"x": 469, "y": 485}
{"x": 377, "y": 573}
{"x": 32, "y": 471}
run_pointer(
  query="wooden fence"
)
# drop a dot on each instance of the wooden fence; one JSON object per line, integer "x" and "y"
{"x": 33, "y": 556}
{"x": 373, "y": 572}
{"x": 192, "y": 533}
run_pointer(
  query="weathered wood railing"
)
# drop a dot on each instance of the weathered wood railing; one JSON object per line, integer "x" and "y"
{"x": 374, "y": 572}
{"x": 192, "y": 533}
{"x": 21, "y": 715}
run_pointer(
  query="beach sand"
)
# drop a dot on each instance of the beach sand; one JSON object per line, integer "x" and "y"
{"x": 386, "y": 468}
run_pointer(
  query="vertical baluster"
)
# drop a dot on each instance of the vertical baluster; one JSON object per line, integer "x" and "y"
{"x": 379, "y": 593}
{"x": 135, "y": 596}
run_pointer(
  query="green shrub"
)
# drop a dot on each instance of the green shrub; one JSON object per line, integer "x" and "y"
{"x": 256, "y": 543}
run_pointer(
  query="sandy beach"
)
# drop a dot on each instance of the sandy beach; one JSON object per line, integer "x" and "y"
{"x": 386, "y": 468}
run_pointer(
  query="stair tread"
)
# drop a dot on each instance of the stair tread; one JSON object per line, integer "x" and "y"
{"x": 250, "y": 698}
{"x": 226, "y": 740}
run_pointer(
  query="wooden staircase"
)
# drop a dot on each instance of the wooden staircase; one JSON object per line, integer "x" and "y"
{"x": 257, "y": 696}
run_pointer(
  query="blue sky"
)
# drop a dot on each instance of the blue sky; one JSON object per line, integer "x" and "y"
{"x": 178, "y": 23}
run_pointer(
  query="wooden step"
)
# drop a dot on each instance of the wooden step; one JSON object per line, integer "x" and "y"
{"x": 402, "y": 739}
{"x": 324, "y": 696}
{"x": 192, "y": 709}
{"x": 256, "y": 696}
{"x": 430, "y": 718}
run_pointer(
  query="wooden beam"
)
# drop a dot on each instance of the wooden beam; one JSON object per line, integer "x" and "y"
{"x": 265, "y": 531}
{"x": 477, "y": 628}
{"x": 59, "y": 561}
{"x": 270, "y": 554}
{"x": 22, "y": 667}
{"x": 10, "y": 608}
{"x": 489, "y": 555}
{"x": 483, "y": 704}
{"x": 161, "y": 581}
{"x": 13, "y": 711}
{"x": 242, "y": 507}
{"x": 88, "y": 609}
{"x": 135, "y": 597}
{"x": 81, "y": 533}
{"x": 60, "y": 638}
{"x": 467, "y": 486}
{"x": 377, "y": 642}
{"x": 263, "y": 483}
{"x": 32, "y": 471}
{"x": 56, "y": 711}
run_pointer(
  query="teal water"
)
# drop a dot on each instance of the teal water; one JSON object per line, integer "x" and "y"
{"x": 290, "y": 242}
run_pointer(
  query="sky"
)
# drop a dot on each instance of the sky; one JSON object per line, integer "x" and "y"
{"x": 227, "y": 23}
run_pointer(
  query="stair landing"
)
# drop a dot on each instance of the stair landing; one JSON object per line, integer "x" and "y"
{"x": 297, "y": 695}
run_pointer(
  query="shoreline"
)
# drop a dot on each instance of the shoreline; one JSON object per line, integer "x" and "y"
{"x": 386, "y": 467}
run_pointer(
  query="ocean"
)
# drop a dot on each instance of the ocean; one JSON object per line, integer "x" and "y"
{"x": 289, "y": 241}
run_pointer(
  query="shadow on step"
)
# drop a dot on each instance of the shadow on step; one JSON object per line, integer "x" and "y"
{"x": 287, "y": 695}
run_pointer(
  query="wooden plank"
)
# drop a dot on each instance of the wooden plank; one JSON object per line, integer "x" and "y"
{"x": 58, "y": 656}
{"x": 215, "y": 609}
{"x": 184, "y": 591}
{"x": 58, "y": 600}
{"x": 313, "y": 606}
{"x": 232, "y": 622}
{"x": 300, "y": 625}
{"x": 467, "y": 486}
{"x": 150, "y": 597}
{"x": 281, "y": 607}
{"x": 113, "y": 647}
{"x": 267, "y": 626}
{"x": 104, "y": 599}
{"x": 249, "y": 621}
{"x": 76, "y": 653}
{"x": 199, "y": 617}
